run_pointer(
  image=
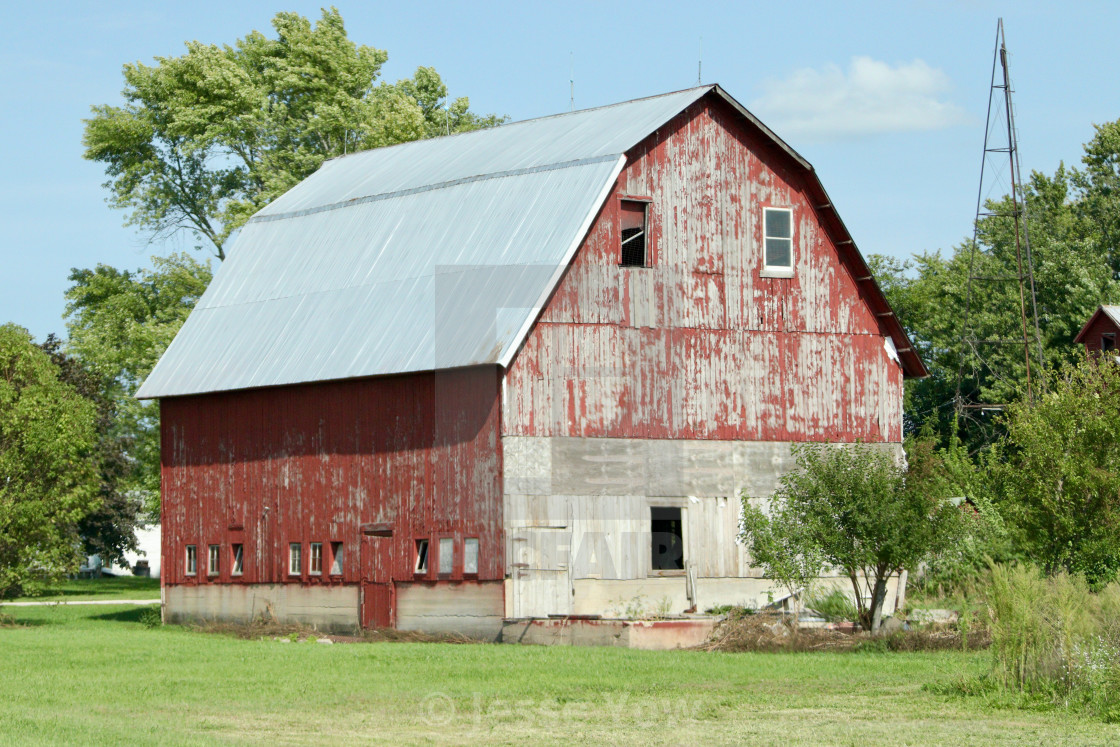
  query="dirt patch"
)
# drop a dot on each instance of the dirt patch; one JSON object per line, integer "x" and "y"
{"x": 762, "y": 632}
{"x": 296, "y": 633}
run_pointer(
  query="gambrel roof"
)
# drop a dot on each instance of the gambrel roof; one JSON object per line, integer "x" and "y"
{"x": 428, "y": 255}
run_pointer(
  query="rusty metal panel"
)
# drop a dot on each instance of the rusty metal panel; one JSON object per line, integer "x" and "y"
{"x": 702, "y": 345}
{"x": 268, "y": 467}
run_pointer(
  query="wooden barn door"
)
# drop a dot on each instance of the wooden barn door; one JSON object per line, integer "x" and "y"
{"x": 378, "y": 598}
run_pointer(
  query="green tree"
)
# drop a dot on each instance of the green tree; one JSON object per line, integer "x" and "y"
{"x": 109, "y": 529}
{"x": 206, "y": 139}
{"x": 853, "y": 508}
{"x": 48, "y": 466}
{"x": 119, "y": 324}
{"x": 1056, "y": 475}
{"x": 1073, "y": 275}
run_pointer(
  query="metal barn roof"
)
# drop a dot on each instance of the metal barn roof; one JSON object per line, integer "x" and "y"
{"x": 432, "y": 254}
{"x": 427, "y": 255}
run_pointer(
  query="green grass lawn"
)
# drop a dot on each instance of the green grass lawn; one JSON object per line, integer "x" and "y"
{"x": 106, "y": 587}
{"x": 95, "y": 675}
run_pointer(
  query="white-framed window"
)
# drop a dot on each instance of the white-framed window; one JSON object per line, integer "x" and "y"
{"x": 214, "y": 561}
{"x": 191, "y": 560}
{"x": 238, "y": 558}
{"x": 295, "y": 559}
{"x": 421, "y": 556}
{"x": 446, "y": 555}
{"x": 315, "y": 566}
{"x": 777, "y": 240}
{"x": 470, "y": 555}
{"x": 336, "y": 558}
{"x": 634, "y": 233}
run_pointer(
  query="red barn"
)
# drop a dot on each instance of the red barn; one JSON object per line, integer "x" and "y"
{"x": 1099, "y": 333}
{"x": 518, "y": 372}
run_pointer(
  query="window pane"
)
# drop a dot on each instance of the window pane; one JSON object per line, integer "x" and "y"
{"x": 446, "y": 554}
{"x": 336, "y": 558}
{"x": 778, "y": 253}
{"x": 421, "y": 556}
{"x": 191, "y": 560}
{"x": 215, "y": 559}
{"x": 470, "y": 555}
{"x": 633, "y": 234}
{"x": 316, "y": 558}
{"x": 778, "y": 224}
{"x": 295, "y": 558}
{"x": 238, "y": 559}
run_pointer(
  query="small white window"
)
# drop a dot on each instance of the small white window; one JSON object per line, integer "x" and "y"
{"x": 215, "y": 560}
{"x": 315, "y": 568}
{"x": 446, "y": 555}
{"x": 192, "y": 560}
{"x": 421, "y": 556}
{"x": 336, "y": 558}
{"x": 470, "y": 555}
{"x": 238, "y": 560}
{"x": 778, "y": 226}
{"x": 295, "y": 559}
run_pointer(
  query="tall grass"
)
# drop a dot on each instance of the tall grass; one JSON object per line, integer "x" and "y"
{"x": 1052, "y": 637}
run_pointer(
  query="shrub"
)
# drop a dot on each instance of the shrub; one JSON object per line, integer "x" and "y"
{"x": 151, "y": 617}
{"x": 835, "y": 606}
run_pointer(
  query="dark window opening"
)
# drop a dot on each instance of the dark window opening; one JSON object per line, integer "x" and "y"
{"x": 1108, "y": 342}
{"x": 238, "y": 560}
{"x": 421, "y": 556}
{"x": 667, "y": 539}
{"x": 634, "y": 233}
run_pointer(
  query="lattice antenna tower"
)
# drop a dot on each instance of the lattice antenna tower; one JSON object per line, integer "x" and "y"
{"x": 979, "y": 341}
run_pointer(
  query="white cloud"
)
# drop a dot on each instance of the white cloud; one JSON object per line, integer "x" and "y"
{"x": 871, "y": 97}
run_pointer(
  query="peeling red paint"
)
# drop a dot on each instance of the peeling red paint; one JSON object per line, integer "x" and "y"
{"x": 701, "y": 345}
{"x": 315, "y": 463}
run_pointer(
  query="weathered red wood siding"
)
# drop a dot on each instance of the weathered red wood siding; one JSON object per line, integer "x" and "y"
{"x": 1102, "y": 325}
{"x": 699, "y": 345}
{"x": 313, "y": 463}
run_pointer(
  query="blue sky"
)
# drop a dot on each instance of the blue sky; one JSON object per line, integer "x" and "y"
{"x": 887, "y": 100}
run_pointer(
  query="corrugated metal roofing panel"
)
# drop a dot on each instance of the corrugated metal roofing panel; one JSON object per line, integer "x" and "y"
{"x": 435, "y": 279}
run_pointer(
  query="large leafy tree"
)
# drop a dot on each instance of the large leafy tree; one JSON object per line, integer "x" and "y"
{"x": 119, "y": 324}
{"x": 206, "y": 139}
{"x": 855, "y": 509}
{"x": 109, "y": 529}
{"x": 1056, "y": 475}
{"x": 1073, "y": 274}
{"x": 48, "y": 465}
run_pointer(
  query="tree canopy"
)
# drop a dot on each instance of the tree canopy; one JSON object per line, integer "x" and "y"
{"x": 48, "y": 464}
{"x": 206, "y": 139}
{"x": 1056, "y": 476}
{"x": 852, "y": 508}
{"x": 119, "y": 324}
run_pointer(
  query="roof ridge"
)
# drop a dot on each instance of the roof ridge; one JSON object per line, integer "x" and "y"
{"x": 383, "y": 148}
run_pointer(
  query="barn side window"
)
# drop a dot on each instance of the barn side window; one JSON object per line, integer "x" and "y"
{"x": 421, "y": 556}
{"x": 634, "y": 240}
{"x": 778, "y": 240}
{"x": 1108, "y": 342}
{"x": 470, "y": 555}
{"x": 666, "y": 538}
{"x": 295, "y": 559}
{"x": 238, "y": 559}
{"x": 192, "y": 560}
{"x": 315, "y": 567}
{"x": 214, "y": 561}
{"x": 446, "y": 555}
{"x": 336, "y": 558}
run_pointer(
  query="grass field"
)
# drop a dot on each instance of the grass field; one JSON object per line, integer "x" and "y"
{"x": 95, "y": 675}
{"x": 107, "y": 587}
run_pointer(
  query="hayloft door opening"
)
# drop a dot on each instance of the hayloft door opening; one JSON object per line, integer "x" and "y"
{"x": 377, "y": 593}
